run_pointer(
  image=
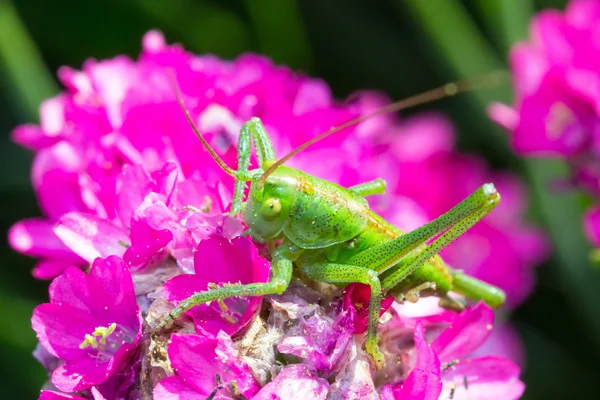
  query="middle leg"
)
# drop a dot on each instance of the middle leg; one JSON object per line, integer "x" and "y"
{"x": 376, "y": 186}
{"x": 341, "y": 273}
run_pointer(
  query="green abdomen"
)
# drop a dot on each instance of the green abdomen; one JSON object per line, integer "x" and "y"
{"x": 377, "y": 231}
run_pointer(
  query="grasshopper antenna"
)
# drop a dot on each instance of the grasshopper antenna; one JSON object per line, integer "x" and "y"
{"x": 211, "y": 151}
{"x": 489, "y": 80}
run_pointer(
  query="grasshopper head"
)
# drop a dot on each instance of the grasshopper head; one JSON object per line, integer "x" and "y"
{"x": 268, "y": 204}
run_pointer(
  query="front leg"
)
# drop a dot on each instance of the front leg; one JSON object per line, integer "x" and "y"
{"x": 281, "y": 275}
{"x": 253, "y": 130}
{"x": 341, "y": 273}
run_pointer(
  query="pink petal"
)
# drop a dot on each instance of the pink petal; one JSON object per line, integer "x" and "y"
{"x": 35, "y": 237}
{"x": 166, "y": 180}
{"x": 219, "y": 260}
{"x": 488, "y": 378}
{"x": 591, "y": 225}
{"x": 421, "y": 385}
{"x": 294, "y": 382}
{"x": 61, "y": 329}
{"x": 153, "y": 42}
{"x": 90, "y": 236}
{"x": 197, "y": 359}
{"x": 49, "y": 269}
{"x": 468, "y": 331}
{"x": 319, "y": 340}
{"x": 133, "y": 185}
{"x": 503, "y": 115}
{"x": 110, "y": 279}
{"x": 529, "y": 66}
{"x": 80, "y": 374}
{"x": 147, "y": 244}
{"x": 32, "y": 137}
{"x": 56, "y": 202}
{"x": 552, "y": 123}
{"x": 424, "y": 381}
{"x": 71, "y": 288}
{"x": 63, "y": 156}
{"x": 49, "y": 395}
{"x": 174, "y": 388}
{"x": 504, "y": 342}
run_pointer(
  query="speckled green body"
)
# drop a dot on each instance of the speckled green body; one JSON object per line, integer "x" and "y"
{"x": 333, "y": 223}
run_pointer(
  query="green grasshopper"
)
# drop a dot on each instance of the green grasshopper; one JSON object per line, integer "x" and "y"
{"x": 330, "y": 234}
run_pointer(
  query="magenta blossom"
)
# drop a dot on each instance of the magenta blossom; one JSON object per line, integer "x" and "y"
{"x": 424, "y": 380}
{"x": 50, "y": 395}
{"x": 295, "y": 382}
{"x": 219, "y": 261}
{"x": 443, "y": 367}
{"x": 92, "y": 323}
{"x": 557, "y": 103}
{"x": 205, "y": 364}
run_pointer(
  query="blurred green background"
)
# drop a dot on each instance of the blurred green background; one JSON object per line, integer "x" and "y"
{"x": 401, "y": 47}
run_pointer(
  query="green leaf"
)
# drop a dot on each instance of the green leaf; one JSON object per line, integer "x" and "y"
{"x": 26, "y": 75}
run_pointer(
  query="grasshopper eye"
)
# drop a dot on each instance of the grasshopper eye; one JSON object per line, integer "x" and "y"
{"x": 271, "y": 208}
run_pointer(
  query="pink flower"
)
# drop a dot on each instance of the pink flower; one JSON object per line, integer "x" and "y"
{"x": 220, "y": 261}
{"x": 424, "y": 380}
{"x": 319, "y": 340}
{"x": 92, "y": 323}
{"x": 557, "y": 101}
{"x": 443, "y": 366}
{"x": 50, "y": 395}
{"x": 295, "y": 382}
{"x": 198, "y": 360}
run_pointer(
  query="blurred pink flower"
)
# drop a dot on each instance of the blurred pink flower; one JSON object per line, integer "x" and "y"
{"x": 556, "y": 112}
{"x": 443, "y": 366}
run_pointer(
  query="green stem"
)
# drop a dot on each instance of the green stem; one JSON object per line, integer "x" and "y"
{"x": 450, "y": 29}
{"x": 26, "y": 74}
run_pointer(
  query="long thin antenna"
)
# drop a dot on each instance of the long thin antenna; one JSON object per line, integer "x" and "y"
{"x": 213, "y": 154}
{"x": 450, "y": 89}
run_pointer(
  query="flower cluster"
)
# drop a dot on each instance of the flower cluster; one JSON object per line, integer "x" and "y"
{"x": 557, "y": 103}
{"x": 126, "y": 188}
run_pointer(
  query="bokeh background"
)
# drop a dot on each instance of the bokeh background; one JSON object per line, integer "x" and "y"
{"x": 401, "y": 47}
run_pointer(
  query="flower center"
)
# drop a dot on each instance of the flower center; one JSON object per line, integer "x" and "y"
{"x": 100, "y": 332}
{"x": 559, "y": 117}
{"x": 106, "y": 340}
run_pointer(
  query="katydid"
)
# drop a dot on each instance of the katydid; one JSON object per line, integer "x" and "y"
{"x": 329, "y": 232}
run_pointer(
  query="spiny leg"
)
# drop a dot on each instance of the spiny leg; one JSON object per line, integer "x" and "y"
{"x": 281, "y": 275}
{"x": 473, "y": 208}
{"x": 410, "y": 264}
{"x": 253, "y": 130}
{"x": 342, "y": 273}
{"x": 376, "y": 186}
{"x": 413, "y": 295}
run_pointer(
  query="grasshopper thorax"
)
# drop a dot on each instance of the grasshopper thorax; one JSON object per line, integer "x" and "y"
{"x": 268, "y": 204}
